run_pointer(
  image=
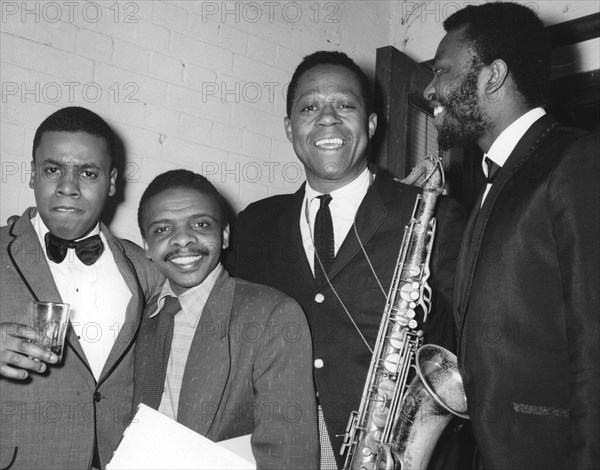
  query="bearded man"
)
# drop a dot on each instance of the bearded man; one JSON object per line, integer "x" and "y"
{"x": 526, "y": 298}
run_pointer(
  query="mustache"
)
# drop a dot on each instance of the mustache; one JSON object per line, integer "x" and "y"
{"x": 204, "y": 251}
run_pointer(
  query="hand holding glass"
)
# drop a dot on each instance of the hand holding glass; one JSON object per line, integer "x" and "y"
{"x": 51, "y": 319}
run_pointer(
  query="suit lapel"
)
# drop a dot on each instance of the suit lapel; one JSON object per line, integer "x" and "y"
{"x": 465, "y": 254}
{"x": 369, "y": 217}
{"x": 289, "y": 230}
{"x": 468, "y": 257}
{"x": 29, "y": 258}
{"x": 208, "y": 365}
{"x": 134, "y": 307}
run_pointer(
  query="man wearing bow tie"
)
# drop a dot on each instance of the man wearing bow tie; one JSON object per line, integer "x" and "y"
{"x": 70, "y": 415}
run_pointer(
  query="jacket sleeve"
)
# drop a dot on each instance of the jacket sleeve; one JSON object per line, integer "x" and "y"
{"x": 232, "y": 257}
{"x": 150, "y": 278}
{"x": 574, "y": 200}
{"x": 285, "y": 432}
{"x": 451, "y": 220}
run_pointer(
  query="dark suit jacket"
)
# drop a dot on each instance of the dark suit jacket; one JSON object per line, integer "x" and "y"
{"x": 248, "y": 372}
{"x": 50, "y": 417}
{"x": 269, "y": 250}
{"x": 527, "y": 305}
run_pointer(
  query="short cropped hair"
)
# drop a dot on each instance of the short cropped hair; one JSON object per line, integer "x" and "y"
{"x": 183, "y": 179}
{"x": 514, "y": 34}
{"x": 76, "y": 119}
{"x": 330, "y": 58}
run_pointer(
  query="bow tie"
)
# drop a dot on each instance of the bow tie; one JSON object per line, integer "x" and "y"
{"x": 87, "y": 250}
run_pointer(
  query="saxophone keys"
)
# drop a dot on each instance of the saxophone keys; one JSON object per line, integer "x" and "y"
{"x": 397, "y": 339}
{"x": 371, "y": 443}
{"x": 391, "y": 363}
{"x": 415, "y": 271}
{"x": 410, "y": 292}
{"x": 385, "y": 389}
{"x": 380, "y": 415}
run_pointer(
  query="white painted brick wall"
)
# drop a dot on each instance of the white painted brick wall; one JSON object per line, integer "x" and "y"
{"x": 185, "y": 84}
{"x": 420, "y": 24}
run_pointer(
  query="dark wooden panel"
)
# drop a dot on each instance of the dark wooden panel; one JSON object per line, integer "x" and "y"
{"x": 574, "y": 31}
{"x": 397, "y": 77}
{"x": 575, "y": 100}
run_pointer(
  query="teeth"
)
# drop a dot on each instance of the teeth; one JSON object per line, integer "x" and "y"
{"x": 330, "y": 143}
{"x": 437, "y": 110}
{"x": 186, "y": 260}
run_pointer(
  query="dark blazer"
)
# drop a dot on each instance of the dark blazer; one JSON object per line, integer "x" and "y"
{"x": 52, "y": 418}
{"x": 268, "y": 249}
{"x": 248, "y": 372}
{"x": 527, "y": 305}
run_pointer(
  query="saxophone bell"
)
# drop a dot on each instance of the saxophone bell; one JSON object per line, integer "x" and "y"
{"x": 438, "y": 371}
{"x": 433, "y": 397}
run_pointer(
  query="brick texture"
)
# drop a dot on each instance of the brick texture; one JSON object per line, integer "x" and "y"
{"x": 185, "y": 84}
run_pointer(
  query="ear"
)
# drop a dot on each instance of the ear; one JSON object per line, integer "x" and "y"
{"x": 372, "y": 124}
{"x": 287, "y": 124}
{"x": 113, "y": 182}
{"x": 497, "y": 75}
{"x": 33, "y": 176}
{"x": 225, "y": 237}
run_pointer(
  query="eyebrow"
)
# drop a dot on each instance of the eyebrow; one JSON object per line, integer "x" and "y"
{"x": 159, "y": 222}
{"x": 327, "y": 93}
{"x": 51, "y": 161}
{"x": 193, "y": 216}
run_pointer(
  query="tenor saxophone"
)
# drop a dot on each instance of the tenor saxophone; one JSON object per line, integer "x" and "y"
{"x": 412, "y": 390}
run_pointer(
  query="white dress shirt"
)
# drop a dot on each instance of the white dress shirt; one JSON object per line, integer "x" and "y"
{"x": 186, "y": 321}
{"x": 506, "y": 142}
{"x": 343, "y": 206}
{"x": 98, "y": 297}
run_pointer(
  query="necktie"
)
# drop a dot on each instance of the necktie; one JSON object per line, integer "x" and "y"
{"x": 164, "y": 335}
{"x": 493, "y": 170}
{"x": 324, "y": 247}
{"x": 87, "y": 250}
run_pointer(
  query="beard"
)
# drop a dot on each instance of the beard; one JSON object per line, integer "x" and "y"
{"x": 464, "y": 122}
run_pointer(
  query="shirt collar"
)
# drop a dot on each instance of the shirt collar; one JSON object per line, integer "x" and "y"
{"x": 355, "y": 189}
{"x": 506, "y": 142}
{"x": 191, "y": 298}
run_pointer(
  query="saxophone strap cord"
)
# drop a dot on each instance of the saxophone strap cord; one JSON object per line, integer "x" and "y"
{"x": 331, "y": 284}
{"x": 362, "y": 247}
{"x": 345, "y": 309}
{"x": 437, "y": 161}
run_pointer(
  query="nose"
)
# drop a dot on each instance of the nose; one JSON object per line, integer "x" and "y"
{"x": 328, "y": 115}
{"x": 68, "y": 185}
{"x": 183, "y": 236}
{"x": 429, "y": 92}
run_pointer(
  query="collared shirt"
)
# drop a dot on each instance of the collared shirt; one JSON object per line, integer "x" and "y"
{"x": 506, "y": 142}
{"x": 97, "y": 295}
{"x": 186, "y": 321}
{"x": 343, "y": 206}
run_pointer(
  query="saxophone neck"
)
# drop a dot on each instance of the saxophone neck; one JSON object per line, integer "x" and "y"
{"x": 435, "y": 179}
